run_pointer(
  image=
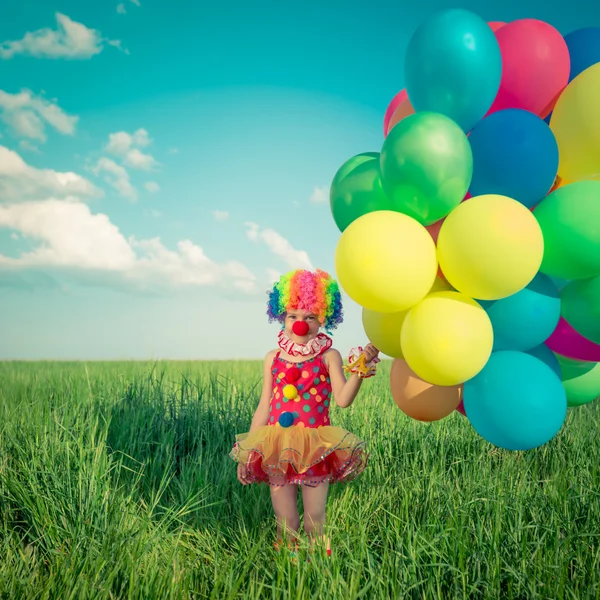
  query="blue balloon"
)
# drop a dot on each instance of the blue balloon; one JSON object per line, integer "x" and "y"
{"x": 548, "y": 357}
{"x": 516, "y": 401}
{"x": 515, "y": 154}
{"x": 453, "y": 66}
{"x": 525, "y": 319}
{"x": 584, "y": 49}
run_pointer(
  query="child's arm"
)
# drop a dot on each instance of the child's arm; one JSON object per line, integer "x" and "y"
{"x": 344, "y": 390}
{"x": 261, "y": 415}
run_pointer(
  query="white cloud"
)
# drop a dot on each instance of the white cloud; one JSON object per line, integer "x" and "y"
{"x": 220, "y": 215}
{"x": 28, "y": 115}
{"x": 116, "y": 176}
{"x": 127, "y": 147}
{"x": 173, "y": 151}
{"x": 152, "y": 187}
{"x": 70, "y": 235}
{"x": 14, "y": 236}
{"x": 279, "y": 246}
{"x": 155, "y": 214}
{"x": 121, "y": 9}
{"x": 136, "y": 2}
{"x": 73, "y": 240}
{"x": 120, "y": 142}
{"x": 21, "y": 182}
{"x": 69, "y": 40}
{"x": 320, "y": 195}
{"x": 117, "y": 44}
{"x": 136, "y": 159}
{"x": 28, "y": 146}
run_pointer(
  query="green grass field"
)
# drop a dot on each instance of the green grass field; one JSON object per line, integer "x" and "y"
{"x": 115, "y": 482}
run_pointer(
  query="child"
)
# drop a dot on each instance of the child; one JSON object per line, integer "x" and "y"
{"x": 291, "y": 441}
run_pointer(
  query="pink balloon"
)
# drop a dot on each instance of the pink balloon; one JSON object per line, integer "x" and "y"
{"x": 394, "y": 104}
{"x": 568, "y": 342}
{"x": 535, "y": 66}
{"x": 461, "y": 409}
{"x": 495, "y": 25}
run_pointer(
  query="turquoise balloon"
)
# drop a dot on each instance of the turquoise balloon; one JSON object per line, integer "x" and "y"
{"x": 516, "y": 401}
{"x": 426, "y": 166}
{"x": 548, "y": 357}
{"x": 525, "y": 319}
{"x": 453, "y": 66}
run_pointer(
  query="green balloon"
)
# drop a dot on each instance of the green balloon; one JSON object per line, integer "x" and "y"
{"x": 569, "y": 218}
{"x": 581, "y": 380}
{"x": 580, "y": 306}
{"x": 357, "y": 190}
{"x": 426, "y": 166}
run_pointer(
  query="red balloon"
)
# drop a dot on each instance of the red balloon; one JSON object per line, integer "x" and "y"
{"x": 495, "y": 25}
{"x": 571, "y": 344}
{"x": 398, "y": 99}
{"x": 461, "y": 408}
{"x": 535, "y": 66}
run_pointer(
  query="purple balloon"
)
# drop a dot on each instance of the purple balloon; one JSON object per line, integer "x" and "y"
{"x": 568, "y": 342}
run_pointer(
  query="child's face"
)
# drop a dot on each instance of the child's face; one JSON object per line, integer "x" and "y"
{"x": 301, "y": 325}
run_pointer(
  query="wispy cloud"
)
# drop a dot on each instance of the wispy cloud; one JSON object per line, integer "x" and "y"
{"x": 320, "y": 195}
{"x": 90, "y": 248}
{"x": 116, "y": 176}
{"x": 28, "y": 146}
{"x": 127, "y": 147}
{"x": 28, "y": 115}
{"x": 152, "y": 187}
{"x": 220, "y": 215}
{"x": 20, "y": 182}
{"x": 121, "y": 9}
{"x": 70, "y": 40}
{"x": 279, "y": 246}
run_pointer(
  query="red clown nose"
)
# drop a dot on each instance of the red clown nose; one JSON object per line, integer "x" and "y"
{"x": 300, "y": 328}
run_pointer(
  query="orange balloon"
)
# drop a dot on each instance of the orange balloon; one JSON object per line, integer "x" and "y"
{"x": 405, "y": 109}
{"x": 420, "y": 400}
{"x": 434, "y": 231}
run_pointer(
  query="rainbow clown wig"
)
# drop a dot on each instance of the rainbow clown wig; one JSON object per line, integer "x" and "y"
{"x": 317, "y": 293}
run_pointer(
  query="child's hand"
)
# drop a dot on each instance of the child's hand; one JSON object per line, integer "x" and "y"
{"x": 370, "y": 352}
{"x": 242, "y": 474}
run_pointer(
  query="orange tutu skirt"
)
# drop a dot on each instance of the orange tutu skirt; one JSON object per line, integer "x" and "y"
{"x": 300, "y": 455}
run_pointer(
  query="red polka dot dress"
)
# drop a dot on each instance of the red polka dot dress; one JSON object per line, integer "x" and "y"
{"x": 299, "y": 445}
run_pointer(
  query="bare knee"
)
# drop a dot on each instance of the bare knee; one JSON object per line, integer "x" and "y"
{"x": 289, "y": 519}
{"x": 285, "y": 506}
{"x": 314, "y": 521}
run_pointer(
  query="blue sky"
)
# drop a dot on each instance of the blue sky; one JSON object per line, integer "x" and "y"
{"x": 161, "y": 163}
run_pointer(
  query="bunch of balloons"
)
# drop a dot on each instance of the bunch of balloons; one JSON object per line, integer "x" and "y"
{"x": 472, "y": 239}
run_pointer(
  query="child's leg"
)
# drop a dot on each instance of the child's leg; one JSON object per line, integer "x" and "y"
{"x": 315, "y": 501}
{"x": 285, "y": 505}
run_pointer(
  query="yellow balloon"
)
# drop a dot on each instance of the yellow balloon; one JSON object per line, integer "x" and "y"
{"x": 447, "y": 338}
{"x": 386, "y": 261}
{"x": 490, "y": 247}
{"x": 383, "y": 329}
{"x": 575, "y": 123}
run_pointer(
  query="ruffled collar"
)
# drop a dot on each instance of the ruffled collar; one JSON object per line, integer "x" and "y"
{"x": 316, "y": 346}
